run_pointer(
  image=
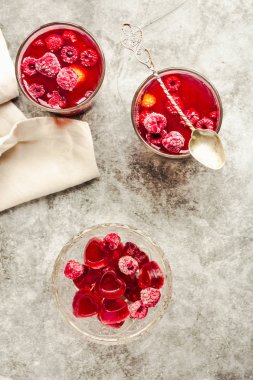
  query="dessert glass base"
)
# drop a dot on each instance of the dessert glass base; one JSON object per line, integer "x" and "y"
{"x": 91, "y": 328}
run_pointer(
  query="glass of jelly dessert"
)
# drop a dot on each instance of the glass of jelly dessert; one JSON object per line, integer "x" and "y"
{"x": 111, "y": 283}
{"x": 60, "y": 67}
{"x": 157, "y": 122}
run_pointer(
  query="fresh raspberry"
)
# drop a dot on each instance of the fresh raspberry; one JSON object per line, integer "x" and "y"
{"x": 156, "y": 138}
{"x": 36, "y": 90}
{"x": 170, "y": 107}
{"x": 80, "y": 72}
{"x": 205, "y": 123}
{"x": 69, "y": 54}
{"x": 148, "y": 101}
{"x": 173, "y": 142}
{"x": 67, "y": 78}
{"x": 192, "y": 115}
{"x": 73, "y": 269}
{"x": 150, "y": 296}
{"x": 89, "y": 57}
{"x": 56, "y": 100}
{"x": 29, "y": 66}
{"x": 172, "y": 83}
{"x": 137, "y": 310}
{"x": 70, "y": 36}
{"x": 54, "y": 42}
{"x": 112, "y": 241}
{"x": 155, "y": 122}
{"x": 131, "y": 249}
{"x": 48, "y": 65}
{"x": 143, "y": 115}
{"x": 128, "y": 265}
{"x": 39, "y": 43}
{"x": 213, "y": 115}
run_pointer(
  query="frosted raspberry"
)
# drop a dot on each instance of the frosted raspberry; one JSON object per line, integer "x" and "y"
{"x": 192, "y": 115}
{"x": 148, "y": 101}
{"x": 173, "y": 142}
{"x": 70, "y": 36}
{"x": 213, "y": 115}
{"x": 73, "y": 269}
{"x": 56, "y": 100}
{"x": 112, "y": 241}
{"x": 137, "y": 310}
{"x": 36, "y": 90}
{"x": 205, "y": 123}
{"x": 89, "y": 57}
{"x": 67, "y": 78}
{"x": 155, "y": 122}
{"x": 143, "y": 115}
{"x": 48, "y": 65}
{"x": 29, "y": 66}
{"x": 54, "y": 42}
{"x": 69, "y": 54}
{"x": 156, "y": 138}
{"x": 39, "y": 43}
{"x": 170, "y": 107}
{"x": 172, "y": 83}
{"x": 128, "y": 265}
{"x": 150, "y": 296}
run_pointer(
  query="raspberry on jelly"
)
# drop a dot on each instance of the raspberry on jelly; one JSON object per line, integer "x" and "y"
{"x": 150, "y": 296}
{"x": 128, "y": 265}
{"x": 112, "y": 241}
{"x": 171, "y": 108}
{"x": 143, "y": 115}
{"x": 151, "y": 276}
{"x": 69, "y": 54}
{"x": 29, "y": 66}
{"x": 56, "y": 100}
{"x": 155, "y": 122}
{"x": 137, "y": 310}
{"x": 173, "y": 142}
{"x": 89, "y": 57}
{"x": 205, "y": 123}
{"x": 192, "y": 115}
{"x": 172, "y": 83}
{"x": 39, "y": 43}
{"x": 73, "y": 269}
{"x": 70, "y": 36}
{"x": 54, "y": 42}
{"x": 48, "y": 65}
{"x": 36, "y": 90}
{"x": 67, "y": 78}
{"x": 148, "y": 101}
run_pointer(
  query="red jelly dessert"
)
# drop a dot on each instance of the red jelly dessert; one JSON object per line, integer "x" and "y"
{"x": 156, "y": 119}
{"x": 116, "y": 281}
{"x": 60, "y": 67}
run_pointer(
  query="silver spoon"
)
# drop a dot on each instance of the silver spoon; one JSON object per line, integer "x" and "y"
{"x": 205, "y": 145}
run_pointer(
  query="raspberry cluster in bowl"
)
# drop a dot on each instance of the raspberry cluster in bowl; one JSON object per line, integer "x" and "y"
{"x": 157, "y": 121}
{"x": 61, "y": 68}
{"x": 116, "y": 281}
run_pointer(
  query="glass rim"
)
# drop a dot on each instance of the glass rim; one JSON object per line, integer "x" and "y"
{"x": 172, "y": 156}
{"x": 61, "y": 110}
{"x": 54, "y": 291}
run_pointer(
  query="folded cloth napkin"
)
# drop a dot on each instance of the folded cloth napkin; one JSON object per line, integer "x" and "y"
{"x": 42, "y": 155}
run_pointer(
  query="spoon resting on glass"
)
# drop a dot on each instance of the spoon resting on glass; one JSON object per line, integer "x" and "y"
{"x": 205, "y": 145}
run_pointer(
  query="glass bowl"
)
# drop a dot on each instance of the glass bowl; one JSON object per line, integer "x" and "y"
{"x": 84, "y": 105}
{"x": 142, "y": 88}
{"x": 63, "y": 289}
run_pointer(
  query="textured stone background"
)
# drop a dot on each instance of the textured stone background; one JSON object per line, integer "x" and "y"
{"x": 202, "y": 219}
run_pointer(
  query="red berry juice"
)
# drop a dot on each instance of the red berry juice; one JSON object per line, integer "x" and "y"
{"x": 60, "y": 67}
{"x": 156, "y": 120}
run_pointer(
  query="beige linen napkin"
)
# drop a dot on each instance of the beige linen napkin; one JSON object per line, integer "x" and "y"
{"x": 42, "y": 155}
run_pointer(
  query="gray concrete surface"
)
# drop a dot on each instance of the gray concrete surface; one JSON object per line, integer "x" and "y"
{"x": 202, "y": 219}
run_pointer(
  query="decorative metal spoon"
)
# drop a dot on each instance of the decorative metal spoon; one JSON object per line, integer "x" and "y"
{"x": 205, "y": 145}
